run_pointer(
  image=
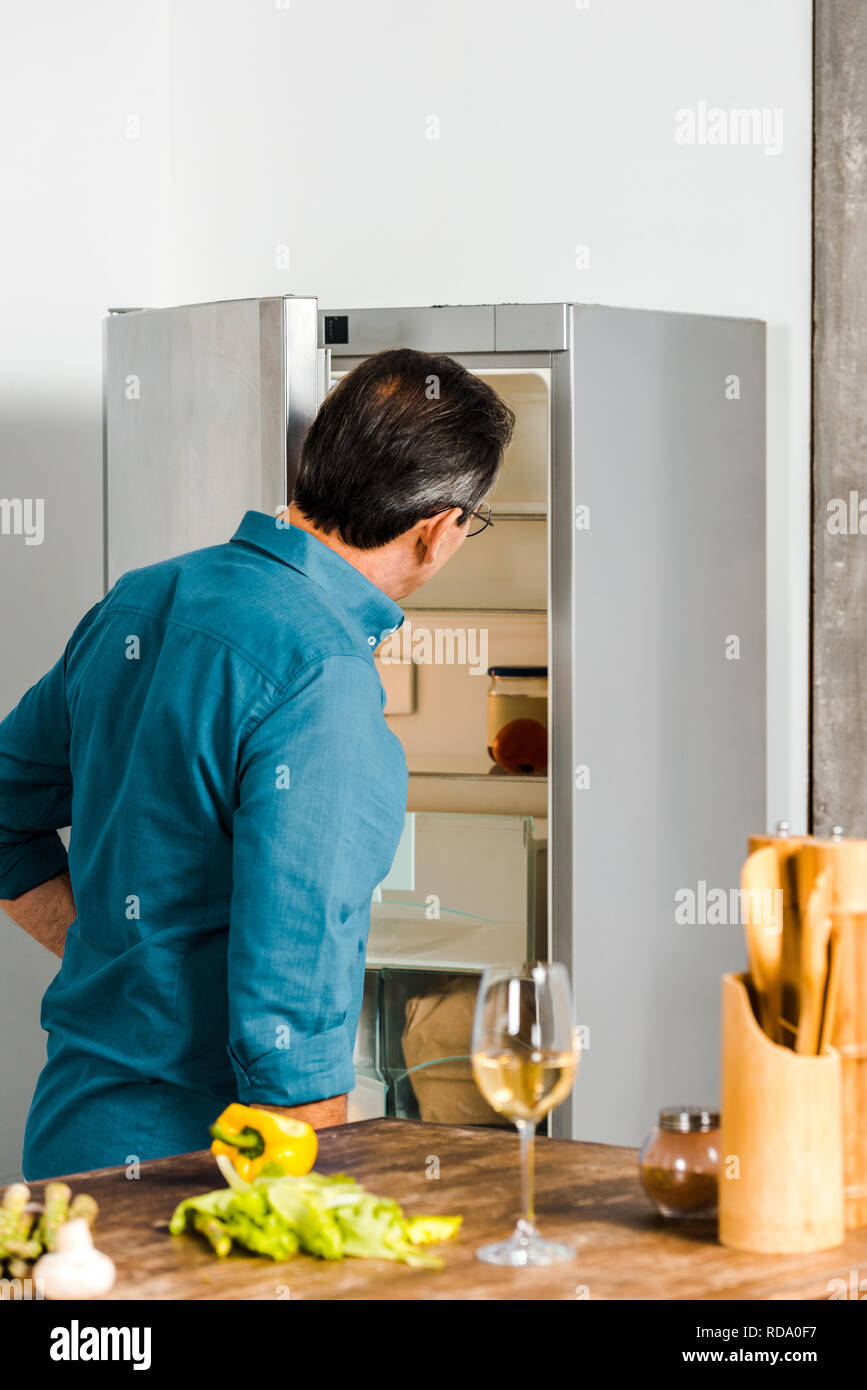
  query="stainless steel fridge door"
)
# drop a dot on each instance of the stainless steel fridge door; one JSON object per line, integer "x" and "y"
{"x": 658, "y": 686}
{"x": 205, "y": 408}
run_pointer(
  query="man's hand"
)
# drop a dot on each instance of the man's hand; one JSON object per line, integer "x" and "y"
{"x": 319, "y": 1113}
{"x": 45, "y": 912}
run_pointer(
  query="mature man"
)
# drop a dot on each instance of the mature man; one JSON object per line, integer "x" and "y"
{"x": 214, "y": 736}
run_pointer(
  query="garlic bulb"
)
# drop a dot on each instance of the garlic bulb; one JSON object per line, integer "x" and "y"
{"x": 75, "y": 1269}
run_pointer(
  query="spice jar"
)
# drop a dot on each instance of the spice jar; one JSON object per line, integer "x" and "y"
{"x": 518, "y": 718}
{"x": 679, "y": 1162}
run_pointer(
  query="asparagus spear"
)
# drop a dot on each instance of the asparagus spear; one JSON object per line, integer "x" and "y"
{"x": 84, "y": 1206}
{"x": 57, "y": 1195}
{"x": 215, "y": 1231}
{"x": 23, "y": 1249}
{"x": 15, "y": 1199}
{"x": 25, "y": 1222}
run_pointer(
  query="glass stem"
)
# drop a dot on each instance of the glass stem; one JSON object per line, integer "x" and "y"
{"x": 527, "y": 1130}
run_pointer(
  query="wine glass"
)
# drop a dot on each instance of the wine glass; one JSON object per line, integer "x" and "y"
{"x": 524, "y": 1055}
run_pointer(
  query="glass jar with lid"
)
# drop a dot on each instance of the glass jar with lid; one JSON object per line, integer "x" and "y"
{"x": 679, "y": 1162}
{"x": 518, "y": 718}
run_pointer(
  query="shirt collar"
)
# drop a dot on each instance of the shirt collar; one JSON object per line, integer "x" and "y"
{"x": 374, "y": 612}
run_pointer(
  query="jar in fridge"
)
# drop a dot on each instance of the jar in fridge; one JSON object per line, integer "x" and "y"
{"x": 518, "y": 718}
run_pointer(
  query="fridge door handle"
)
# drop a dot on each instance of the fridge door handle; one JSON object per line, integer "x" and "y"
{"x": 324, "y": 372}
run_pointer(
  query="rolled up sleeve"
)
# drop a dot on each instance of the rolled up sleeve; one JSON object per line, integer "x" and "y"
{"x": 322, "y": 792}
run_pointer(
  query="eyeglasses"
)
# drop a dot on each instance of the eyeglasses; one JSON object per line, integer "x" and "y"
{"x": 484, "y": 516}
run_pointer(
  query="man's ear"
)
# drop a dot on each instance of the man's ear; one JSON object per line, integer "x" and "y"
{"x": 432, "y": 534}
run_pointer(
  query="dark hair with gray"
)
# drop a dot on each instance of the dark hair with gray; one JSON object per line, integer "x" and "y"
{"x": 402, "y": 436}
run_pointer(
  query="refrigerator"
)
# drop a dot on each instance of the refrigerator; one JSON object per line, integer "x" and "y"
{"x": 627, "y": 556}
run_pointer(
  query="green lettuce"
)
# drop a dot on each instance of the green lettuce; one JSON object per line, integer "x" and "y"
{"x": 330, "y": 1217}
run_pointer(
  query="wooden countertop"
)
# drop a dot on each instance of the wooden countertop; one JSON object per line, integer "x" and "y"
{"x": 588, "y": 1195}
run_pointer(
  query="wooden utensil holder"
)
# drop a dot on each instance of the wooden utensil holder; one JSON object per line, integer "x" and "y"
{"x": 846, "y": 861}
{"x": 781, "y": 1140}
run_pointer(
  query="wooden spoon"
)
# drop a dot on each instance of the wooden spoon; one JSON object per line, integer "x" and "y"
{"x": 815, "y": 934}
{"x": 760, "y": 878}
{"x": 829, "y": 1009}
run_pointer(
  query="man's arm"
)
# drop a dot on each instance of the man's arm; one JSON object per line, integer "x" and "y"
{"x": 35, "y": 800}
{"x": 320, "y": 1113}
{"x": 44, "y": 912}
{"x": 322, "y": 794}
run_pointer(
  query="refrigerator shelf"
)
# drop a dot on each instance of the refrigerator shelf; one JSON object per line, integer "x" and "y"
{"x": 490, "y": 610}
{"x": 401, "y": 936}
{"x": 464, "y": 767}
{"x": 479, "y": 795}
{"x": 528, "y": 511}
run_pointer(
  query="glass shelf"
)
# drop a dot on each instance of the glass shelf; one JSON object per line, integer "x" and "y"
{"x": 448, "y": 765}
{"x": 478, "y": 795}
{"x": 527, "y": 511}
{"x": 401, "y": 936}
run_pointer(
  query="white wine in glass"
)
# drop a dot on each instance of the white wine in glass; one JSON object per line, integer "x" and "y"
{"x": 524, "y": 1057}
{"x": 524, "y": 1087}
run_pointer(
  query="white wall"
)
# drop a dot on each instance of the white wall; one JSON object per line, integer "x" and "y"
{"x": 305, "y": 125}
{"x": 84, "y": 218}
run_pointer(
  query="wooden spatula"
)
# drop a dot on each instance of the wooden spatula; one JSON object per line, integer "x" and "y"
{"x": 815, "y": 935}
{"x": 829, "y": 1008}
{"x": 760, "y": 877}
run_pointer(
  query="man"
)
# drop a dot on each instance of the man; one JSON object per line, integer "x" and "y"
{"x": 214, "y": 735}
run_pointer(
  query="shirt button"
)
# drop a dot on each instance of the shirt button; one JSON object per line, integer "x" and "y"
{"x": 372, "y": 641}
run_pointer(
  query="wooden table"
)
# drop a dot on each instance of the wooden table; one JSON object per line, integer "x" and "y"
{"x": 588, "y": 1195}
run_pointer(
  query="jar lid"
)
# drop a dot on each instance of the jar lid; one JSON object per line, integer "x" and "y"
{"x": 517, "y": 670}
{"x": 687, "y": 1119}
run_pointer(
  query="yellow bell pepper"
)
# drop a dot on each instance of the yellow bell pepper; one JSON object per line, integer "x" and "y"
{"x": 427, "y": 1230}
{"x": 253, "y": 1138}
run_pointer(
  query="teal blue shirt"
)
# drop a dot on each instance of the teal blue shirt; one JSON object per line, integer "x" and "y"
{"x": 214, "y": 736}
